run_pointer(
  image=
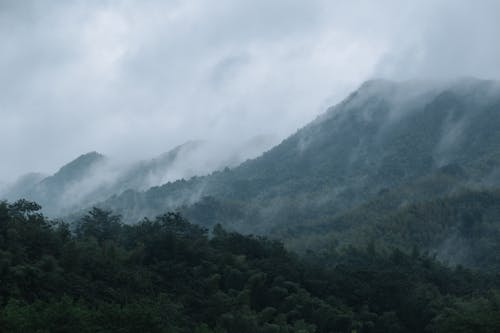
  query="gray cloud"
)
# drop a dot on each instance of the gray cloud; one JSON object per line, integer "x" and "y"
{"x": 136, "y": 78}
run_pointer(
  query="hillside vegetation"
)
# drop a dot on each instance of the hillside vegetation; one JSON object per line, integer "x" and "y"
{"x": 167, "y": 275}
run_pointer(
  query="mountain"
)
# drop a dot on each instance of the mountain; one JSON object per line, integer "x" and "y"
{"x": 384, "y": 136}
{"x": 144, "y": 174}
{"x": 63, "y": 186}
{"x": 24, "y": 183}
{"x": 93, "y": 177}
{"x": 193, "y": 158}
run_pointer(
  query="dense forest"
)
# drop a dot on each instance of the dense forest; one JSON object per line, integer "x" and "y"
{"x": 460, "y": 229}
{"x": 167, "y": 275}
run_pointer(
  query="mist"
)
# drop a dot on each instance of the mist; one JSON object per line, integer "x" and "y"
{"x": 81, "y": 184}
{"x": 133, "y": 79}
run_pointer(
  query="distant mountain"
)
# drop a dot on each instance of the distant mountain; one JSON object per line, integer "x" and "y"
{"x": 145, "y": 174}
{"x": 63, "y": 186}
{"x": 384, "y": 136}
{"x": 74, "y": 171}
{"x": 193, "y": 158}
{"x": 93, "y": 177}
{"x": 25, "y": 183}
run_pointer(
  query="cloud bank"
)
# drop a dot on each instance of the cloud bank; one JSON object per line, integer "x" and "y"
{"x": 133, "y": 79}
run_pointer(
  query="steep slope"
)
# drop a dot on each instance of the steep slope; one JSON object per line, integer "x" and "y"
{"x": 384, "y": 135}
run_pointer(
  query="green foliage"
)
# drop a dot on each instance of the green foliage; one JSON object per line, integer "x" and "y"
{"x": 99, "y": 224}
{"x": 167, "y": 275}
{"x": 479, "y": 314}
{"x": 462, "y": 229}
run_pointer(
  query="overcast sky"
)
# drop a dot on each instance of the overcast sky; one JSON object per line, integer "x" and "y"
{"x": 135, "y": 78}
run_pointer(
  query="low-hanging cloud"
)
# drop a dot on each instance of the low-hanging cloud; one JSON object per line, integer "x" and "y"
{"x": 135, "y": 78}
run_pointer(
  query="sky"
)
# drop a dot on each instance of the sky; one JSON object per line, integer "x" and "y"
{"x": 133, "y": 79}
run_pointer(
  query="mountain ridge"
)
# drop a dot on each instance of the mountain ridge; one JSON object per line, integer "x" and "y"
{"x": 93, "y": 177}
{"x": 379, "y": 137}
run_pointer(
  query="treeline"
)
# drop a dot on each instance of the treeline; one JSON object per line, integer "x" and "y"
{"x": 167, "y": 275}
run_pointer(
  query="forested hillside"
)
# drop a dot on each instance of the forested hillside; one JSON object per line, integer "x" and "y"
{"x": 405, "y": 138}
{"x": 461, "y": 229}
{"x": 167, "y": 275}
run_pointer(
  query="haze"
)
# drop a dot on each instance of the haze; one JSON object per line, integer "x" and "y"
{"x": 133, "y": 79}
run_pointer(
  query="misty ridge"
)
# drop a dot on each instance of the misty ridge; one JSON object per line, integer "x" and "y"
{"x": 93, "y": 177}
{"x": 374, "y": 133}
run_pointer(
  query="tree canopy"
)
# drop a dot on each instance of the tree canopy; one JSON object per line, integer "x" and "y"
{"x": 167, "y": 275}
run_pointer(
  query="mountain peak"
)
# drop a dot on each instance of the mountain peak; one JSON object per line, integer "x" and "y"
{"x": 79, "y": 166}
{"x": 87, "y": 158}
